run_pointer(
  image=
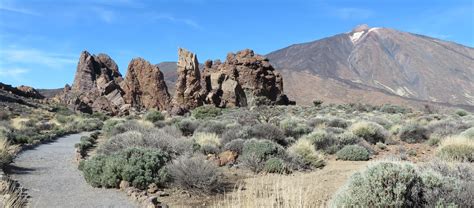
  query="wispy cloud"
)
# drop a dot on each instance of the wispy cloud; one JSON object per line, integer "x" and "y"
{"x": 172, "y": 18}
{"x": 353, "y": 13}
{"x": 12, "y": 72}
{"x": 12, "y": 57}
{"x": 8, "y": 7}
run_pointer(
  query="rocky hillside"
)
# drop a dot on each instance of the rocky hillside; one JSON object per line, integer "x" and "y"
{"x": 378, "y": 65}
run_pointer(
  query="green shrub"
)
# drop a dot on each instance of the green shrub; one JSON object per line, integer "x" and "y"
{"x": 353, "y": 153}
{"x": 269, "y": 132}
{"x": 456, "y": 148}
{"x": 461, "y": 112}
{"x": 206, "y": 112}
{"x": 293, "y": 127}
{"x": 469, "y": 133}
{"x": 211, "y": 127}
{"x": 138, "y": 166}
{"x": 256, "y": 152}
{"x": 321, "y": 140}
{"x": 396, "y": 184}
{"x": 304, "y": 150}
{"x": 370, "y": 131}
{"x": 385, "y": 184}
{"x": 195, "y": 173}
{"x": 151, "y": 138}
{"x": 390, "y": 108}
{"x": 187, "y": 126}
{"x": 275, "y": 165}
{"x": 154, "y": 116}
{"x": 338, "y": 122}
{"x": 413, "y": 133}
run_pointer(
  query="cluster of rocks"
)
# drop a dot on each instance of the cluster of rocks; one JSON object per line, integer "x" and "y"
{"x": 99, "y": 87}
{"x": 24, "y": 91}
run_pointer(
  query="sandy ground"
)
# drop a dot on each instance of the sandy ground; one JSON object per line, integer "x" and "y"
{"x": 52, "y": 179}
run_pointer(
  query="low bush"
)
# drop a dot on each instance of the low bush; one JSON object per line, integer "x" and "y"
{"x": 398, "y": 184}
{"x": 275, "y": 165}
{"x": 206, "y": 112}
{"x": 269, "y": 132}
{"x": 151, "y": 138}
{"x": 293, "y": 127}
{"x": 195, "y": 173}
{"x": 469, "y": 133}
{"x": 304, "y": 150}
{"x": 207, "y": 139}
{"x": 390, "y": 108}
{"x": 321, "y": 140}
{"x": 235, "y": 145}
{"x": 369, "y": 131}
{"x": 138, "y": 166}
{"x": 413, "y": 133}
{"x": 211, "y": 127}
{"x": 187, "y": 126}
{"x": 5, "y": 156}
{"x": 461, "y": 112}
{"x": 256, "y": 152}
{"x": 154, "y": 116}
{"x": 456, "y": 148}
{"x": 353, "y": 153}
{"x": 385, "y": 184}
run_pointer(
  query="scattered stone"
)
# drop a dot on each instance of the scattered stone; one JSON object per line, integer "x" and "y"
{"x": 152, "y": 188}
{"x": 227, "y": 157}
{"x": 124, "y": 185}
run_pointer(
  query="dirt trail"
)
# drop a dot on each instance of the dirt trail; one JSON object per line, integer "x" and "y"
{"x": 52, "y": 179}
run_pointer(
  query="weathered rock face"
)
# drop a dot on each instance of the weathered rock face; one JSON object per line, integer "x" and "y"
{"x": 96, "y": 86}
{"x": 243, "y": 76}
{"x": 188, "y": 86}
{"x": 144, "y": 86}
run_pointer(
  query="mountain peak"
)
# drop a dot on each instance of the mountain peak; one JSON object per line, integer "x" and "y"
{"x": 360, "y": 28}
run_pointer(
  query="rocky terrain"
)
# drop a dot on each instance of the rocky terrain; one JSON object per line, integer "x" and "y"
{"x": 375, "y": 65}
{"x": 99, "y": 87}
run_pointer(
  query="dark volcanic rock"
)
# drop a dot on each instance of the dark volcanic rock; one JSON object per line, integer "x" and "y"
{"x": 144, "y": 86}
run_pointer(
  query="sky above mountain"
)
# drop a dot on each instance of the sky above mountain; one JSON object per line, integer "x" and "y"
{"x": 41, "y": 40}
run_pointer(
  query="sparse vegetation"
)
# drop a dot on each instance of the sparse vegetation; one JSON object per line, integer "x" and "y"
{"x": 353, "y": 153}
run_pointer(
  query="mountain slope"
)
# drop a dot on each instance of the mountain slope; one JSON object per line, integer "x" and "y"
{"x": 376, "y": 65}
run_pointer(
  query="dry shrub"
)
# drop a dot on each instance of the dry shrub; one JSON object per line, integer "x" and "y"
{"x": 195, "y": 173}
{"x": 276, "y": 191}
{"x": 456, "y": 148}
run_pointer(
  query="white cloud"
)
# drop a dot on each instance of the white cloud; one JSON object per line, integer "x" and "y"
{"x": 12, "y": 72}
{"x": 34, "y": 57}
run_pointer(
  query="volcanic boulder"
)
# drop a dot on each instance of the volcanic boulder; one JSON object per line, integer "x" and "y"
{"x": 144, "y": 86}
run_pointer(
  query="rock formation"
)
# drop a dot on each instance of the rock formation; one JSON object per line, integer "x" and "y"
{"x": 243, "y": 77}
{"x": 144, "y": 86}
{"x": 96, "y": 86}
{"x": 24, "y": 91}
{"x": 188, "y": 86}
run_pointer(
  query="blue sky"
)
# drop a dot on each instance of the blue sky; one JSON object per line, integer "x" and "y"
{"x": 40, "y": 40}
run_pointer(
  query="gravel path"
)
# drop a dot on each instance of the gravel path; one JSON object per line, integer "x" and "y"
{"x": 52, "y": 179}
